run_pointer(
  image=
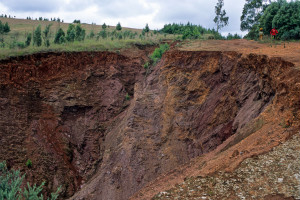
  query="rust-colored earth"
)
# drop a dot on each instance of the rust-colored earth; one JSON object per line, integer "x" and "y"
{"x": 289, "y": 51}
{"x": 102, "y": 127}
{"x": 263, "y": 139}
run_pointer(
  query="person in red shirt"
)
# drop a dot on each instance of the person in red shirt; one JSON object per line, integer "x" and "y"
{"x": 273, "y": 32}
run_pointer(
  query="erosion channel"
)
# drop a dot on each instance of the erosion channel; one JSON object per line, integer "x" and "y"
{"x": 100, "y": 126}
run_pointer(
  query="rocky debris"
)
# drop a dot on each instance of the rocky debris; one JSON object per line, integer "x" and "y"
{"x": 261, "y": 177}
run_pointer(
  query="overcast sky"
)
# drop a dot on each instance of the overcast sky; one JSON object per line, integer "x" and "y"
{"x": 130, "y": 13}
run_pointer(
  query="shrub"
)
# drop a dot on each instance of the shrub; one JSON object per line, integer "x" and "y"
{"x": 59, "y": 37}
{"x": 21, "y": 45}
{"x": 46, "y": 35}
{"x": 11, "y": 182}
{"x": 75, "y": 33}
{"x": 71, "y": 33}
{"x": 29, "y": 163}
{"x": 37, "y": 36}
{"x": 158, "y": 52}
{"x": 118, "y": 27}
{"x": 92, "y": 34}
{"x": 28, "y": 40}
{"x": 232, "y": 37}
{"x": 76, "y": 21}
{"x": 146, "y": 65}
{"x": 127, "y": 97}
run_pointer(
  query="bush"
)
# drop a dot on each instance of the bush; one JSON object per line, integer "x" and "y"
{"x": 92, "y": 34}
{"x": 37, "y": 36}
{"x": 127, "y": 97}
{"x": 76, "y": 21}
{"x": 158, "y": 52}
{"x": 29, "y": 163}
{"x": 28, "y": 40}
{"x": 75, "y": 33}
{"x": 59, "y": 37}
{"x": 118, "y": 27}
{"x": 71, "y": 33}
{"x": 146, "y": 65}
{"x": 11, "y": 182}
{"x": 233, "y": 37}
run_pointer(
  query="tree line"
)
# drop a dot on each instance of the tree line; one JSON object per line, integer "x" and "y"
{"x": 189, "y": 31}
{"x": 267, "y": 14}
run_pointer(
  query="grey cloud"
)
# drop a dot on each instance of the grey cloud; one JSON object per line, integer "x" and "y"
{"x": 122, "y": 9}
{"x": 77, "y": 5}
{"x": 199, "y": 12}
{"x": 194, "y": 11}
{"x": 31, "y": 5}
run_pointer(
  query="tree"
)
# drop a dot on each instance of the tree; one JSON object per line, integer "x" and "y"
{"x": 221, "y": 20}
{"x": 118, "y": 27}
{"x": 75, "y": 33}
{"x": 59, "y": 37}
{"x": 71, "y": 33}
{"x": 11, "y": 186}
{"x": 287, "y": 20}
{"x": 6, "y": 28}
{"x": 28, "y": 40}
{"x": 104, "y": 26}
{"x": 1, "y": 28}
{"x": 46, "y": 35}
{"x": 265, "y": 21}
{"x": 92, "y": 34}
{"x": 147, "y": 28}
{"x": 76, "y": 21}
{"x": 79, "y": 33}
{"x": 102, "y": 34}
{"x": 37, "y": 36}
{"x": 252, "y": 11}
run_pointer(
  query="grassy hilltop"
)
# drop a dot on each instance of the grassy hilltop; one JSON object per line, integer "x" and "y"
{"x": 13, "y": 42}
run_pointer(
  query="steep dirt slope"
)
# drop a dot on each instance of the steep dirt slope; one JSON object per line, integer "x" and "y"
{"x": 55, "y": 109}
{"x": 191, "y": 103}
{"x": 275, "y": 81}
{"x": 68, "y": 113}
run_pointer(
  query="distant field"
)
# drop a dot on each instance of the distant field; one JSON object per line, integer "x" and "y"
{"x": 21, "y": 27}
{"x": 24, "y": 26}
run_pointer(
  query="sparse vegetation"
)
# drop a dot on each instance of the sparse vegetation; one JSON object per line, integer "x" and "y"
{"x": 158, "y": 52}
{"x": 233, "y": 37}
{"x": 22, "y": 41}
{"x": 11, "y": 186}
{"x": 29, "y": 163}
{"x": 127, "y": 97}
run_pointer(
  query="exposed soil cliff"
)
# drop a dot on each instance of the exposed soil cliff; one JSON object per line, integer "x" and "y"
{"x": 69, "y": 114}
{"x": 56, "y": 108}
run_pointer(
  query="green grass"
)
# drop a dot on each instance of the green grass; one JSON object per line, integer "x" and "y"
{"x": 87, "y": 45}
{"x": 21, "y": 27}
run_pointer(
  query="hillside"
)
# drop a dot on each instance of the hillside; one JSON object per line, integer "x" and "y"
{"x": 95, "y": 37}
